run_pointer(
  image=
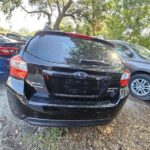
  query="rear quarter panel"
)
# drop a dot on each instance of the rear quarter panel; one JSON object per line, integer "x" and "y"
{"x": 137, "y": 66}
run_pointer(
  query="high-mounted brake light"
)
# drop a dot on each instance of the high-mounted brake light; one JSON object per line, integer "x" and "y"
{"x": 18, "y": 67}
{"x": 125, "y": 78}
{"x": 7, "y": 51}
{"x": 81, "y": 36}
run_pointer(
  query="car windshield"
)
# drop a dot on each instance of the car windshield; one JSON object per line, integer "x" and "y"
{"x": 141, "y": 51}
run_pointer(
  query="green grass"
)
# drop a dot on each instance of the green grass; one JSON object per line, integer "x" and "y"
{"x": 47, "y": 139}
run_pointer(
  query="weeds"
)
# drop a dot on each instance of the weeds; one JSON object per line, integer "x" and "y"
{"x": 46, "y": 139}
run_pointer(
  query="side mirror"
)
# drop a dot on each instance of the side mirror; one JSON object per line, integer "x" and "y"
{"x": 128, "y": 53}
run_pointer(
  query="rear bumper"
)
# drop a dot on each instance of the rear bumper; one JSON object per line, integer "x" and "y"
{"x": 43, "y": 112}
{"x": 65, "y": 123}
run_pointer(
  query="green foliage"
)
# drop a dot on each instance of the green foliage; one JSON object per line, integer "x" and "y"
{"x": 144, "y": 41}
{"x": 128, "y": 20}
{"x": 25, "y": 32}
{"x": 93, "y": 17}
{"x": 3, "y": 31}
{"x": 114, "y": 19}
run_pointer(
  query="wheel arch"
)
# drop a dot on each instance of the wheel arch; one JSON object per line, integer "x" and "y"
{"x": 139, "y": 72}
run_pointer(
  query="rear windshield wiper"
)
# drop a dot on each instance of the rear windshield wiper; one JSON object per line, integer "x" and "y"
{"x": 93, "y": 62}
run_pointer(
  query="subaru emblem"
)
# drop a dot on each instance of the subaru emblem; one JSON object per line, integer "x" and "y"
{"x": 80, "y": 75}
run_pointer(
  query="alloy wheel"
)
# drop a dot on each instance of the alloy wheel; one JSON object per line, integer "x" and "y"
{"x": 140, "y": 87}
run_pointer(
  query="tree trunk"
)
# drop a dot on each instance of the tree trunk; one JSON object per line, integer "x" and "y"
{"x": 62, "y": 14}
{"x": 58, "y": 21}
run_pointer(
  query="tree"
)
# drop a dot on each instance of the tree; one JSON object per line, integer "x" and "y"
{"x": 115, "y": 19}
{"x": 126, "y": 20}
{"x": 52, "y": 9}
{"x": 24, "y": 31}
{"x": 93, "y": 16}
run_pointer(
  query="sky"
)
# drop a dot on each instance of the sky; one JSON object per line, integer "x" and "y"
{"x": 21, "y": 19}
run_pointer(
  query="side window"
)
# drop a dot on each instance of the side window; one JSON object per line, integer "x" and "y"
{"x": 121, "y": 50}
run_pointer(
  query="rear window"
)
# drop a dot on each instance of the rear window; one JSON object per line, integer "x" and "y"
{"x": 63, "y": 49}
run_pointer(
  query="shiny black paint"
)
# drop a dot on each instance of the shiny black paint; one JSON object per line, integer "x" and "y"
{"x": 51, "y": 94}
{"x": 41, "y": 111}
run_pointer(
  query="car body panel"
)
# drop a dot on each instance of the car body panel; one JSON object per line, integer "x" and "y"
{"x": 4, "y": 60}
{"x": 77, "y": 92}
{"x": 135, "y": 63}
{"x": 17, "y": 37}
{"x": 42, "y": 111}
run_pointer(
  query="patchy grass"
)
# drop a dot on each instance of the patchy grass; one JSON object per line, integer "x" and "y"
{"x": 43, "y": 138}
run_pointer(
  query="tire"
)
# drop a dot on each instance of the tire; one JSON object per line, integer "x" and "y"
{"x": 139, "y": 86}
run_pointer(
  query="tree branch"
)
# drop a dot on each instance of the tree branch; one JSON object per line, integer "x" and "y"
{"x": 75, "y": 12}
{"x": 62, "y": 14}
{"x": 35, "y": 11}
{"x": 38, "y": 12}
{"x": 63, "y": 3}
{"x": 50, "y": 6}
{"x": 75, "y": 15}
{"x": 58, "y": 6}
{"x": 70, "y": 15}
{"x": 66, "y": 7}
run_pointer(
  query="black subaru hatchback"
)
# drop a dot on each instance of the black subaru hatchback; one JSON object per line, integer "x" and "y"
{"x": 66, "y": 79}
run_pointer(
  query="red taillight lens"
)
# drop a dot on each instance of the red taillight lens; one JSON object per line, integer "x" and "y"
{"x": 125, "y": 78}
{"x": 18, "y": 67}
{"x": 7, "y": 51}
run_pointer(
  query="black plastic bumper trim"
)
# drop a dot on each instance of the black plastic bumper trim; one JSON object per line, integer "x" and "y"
{"x": 66, "y": 123}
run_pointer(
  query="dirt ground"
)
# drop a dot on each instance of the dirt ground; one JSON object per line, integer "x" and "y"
{"x": 129, "y": 131}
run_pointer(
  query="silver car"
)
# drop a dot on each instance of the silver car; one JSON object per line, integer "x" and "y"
{"x": 137, "y": 59}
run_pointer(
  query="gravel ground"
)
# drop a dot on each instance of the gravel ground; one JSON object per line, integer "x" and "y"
{"x": 129, "y": 131}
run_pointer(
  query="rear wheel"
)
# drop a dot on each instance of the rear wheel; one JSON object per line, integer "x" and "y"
{"x": 140, "y": 86}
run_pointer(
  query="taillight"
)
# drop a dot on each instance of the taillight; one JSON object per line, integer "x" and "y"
{"x": 18, "y": 67}
{"x": 7, "y": 51}
{"x": 125, "y": 78}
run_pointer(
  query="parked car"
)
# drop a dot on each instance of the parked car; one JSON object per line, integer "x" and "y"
{"x": 17, "y": 37}
{"x": 137, "y": 59}
{"x": 8, "y": 48}
{"x": 67, "y": 79}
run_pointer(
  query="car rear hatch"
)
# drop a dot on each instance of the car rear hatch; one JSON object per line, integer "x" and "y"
{"x": 70, "y": 66}
{"x": 77, "y": 83}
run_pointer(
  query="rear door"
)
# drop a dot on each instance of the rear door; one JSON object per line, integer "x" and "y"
{"x": 67, "y": 66}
